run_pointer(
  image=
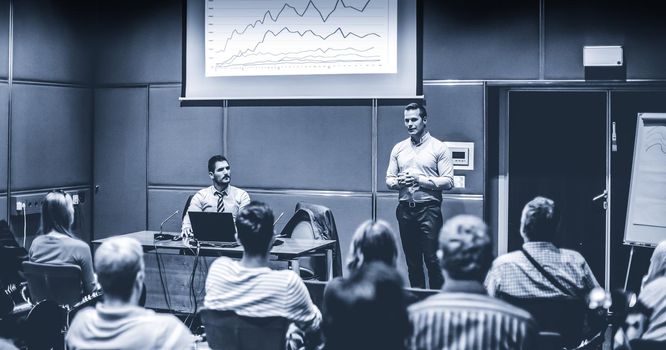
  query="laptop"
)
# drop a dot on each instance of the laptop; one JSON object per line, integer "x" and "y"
{"x": 217, "y": 229}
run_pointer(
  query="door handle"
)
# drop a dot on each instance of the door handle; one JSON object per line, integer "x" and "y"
{"x": 96, "y": 188}
{"x": 603, "y": 196}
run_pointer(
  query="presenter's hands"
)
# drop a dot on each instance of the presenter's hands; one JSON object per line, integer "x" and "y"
{"x": 408, "y": 180}
{"x": 186, "y": 232}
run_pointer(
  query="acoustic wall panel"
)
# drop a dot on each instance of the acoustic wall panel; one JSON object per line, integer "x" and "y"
{"x": 386, "y": 206}
{"x": 303, "y": 147}
{"x": 53, "y": 40}
{"x": 481, "y": 40}
{"x": 181, "y": 139}
{"x": 4, "y": 38}
{"x": 455, "y": 113}
{"x": 51, "y": 136}
{"x": 121, "y": 122}
{"x": 4, "y": 132}
{"x": 3, "y": 207}
{"x": 349, "y": 212}
{"x": 164, "y": 202}
{"x": 142, "y": 41}
{"x": 638, "y": 26}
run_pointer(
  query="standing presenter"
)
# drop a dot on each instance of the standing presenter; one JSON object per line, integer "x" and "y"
{"x": 420, "y": 168}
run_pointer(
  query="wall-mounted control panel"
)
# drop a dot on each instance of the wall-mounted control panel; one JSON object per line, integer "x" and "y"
{"x": 462, "y": 154}
{"x": 31, "y": 203}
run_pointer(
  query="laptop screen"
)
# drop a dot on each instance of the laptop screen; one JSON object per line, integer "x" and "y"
{"x": 213, "y": 227}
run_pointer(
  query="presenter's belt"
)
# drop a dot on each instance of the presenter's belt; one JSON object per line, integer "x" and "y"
{"x": 419, "y": 204}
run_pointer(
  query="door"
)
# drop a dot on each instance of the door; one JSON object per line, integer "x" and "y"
{"x": 557, "y": 149}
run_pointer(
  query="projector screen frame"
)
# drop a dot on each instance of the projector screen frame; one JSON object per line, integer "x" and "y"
{"x": 416, "y": 83}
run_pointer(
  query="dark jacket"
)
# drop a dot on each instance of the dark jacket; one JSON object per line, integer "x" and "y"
{"x": 323, "y": 227}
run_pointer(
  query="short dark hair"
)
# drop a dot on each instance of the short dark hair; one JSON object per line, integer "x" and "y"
{"x": 214, "y": 159}
{"x": 367, "y": 310}
{"x": 539, "y": 220}
{"x": 255, "y": 227}
{"x": 466, "y": 248}
{"x": 413, "y": 106}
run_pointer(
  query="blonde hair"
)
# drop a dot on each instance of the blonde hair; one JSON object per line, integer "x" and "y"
{"x": 57, "y": 213}
{"x": 372, "y": 241}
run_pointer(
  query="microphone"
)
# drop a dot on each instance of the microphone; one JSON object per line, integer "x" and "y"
{"x": 167, "y": 219}
{"x": 278, "y": 219}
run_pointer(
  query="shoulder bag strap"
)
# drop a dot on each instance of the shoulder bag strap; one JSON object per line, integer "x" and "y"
{"x": 545, "y": 273}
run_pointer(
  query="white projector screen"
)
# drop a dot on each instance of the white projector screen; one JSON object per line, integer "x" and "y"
{"x": 276, "y": 49}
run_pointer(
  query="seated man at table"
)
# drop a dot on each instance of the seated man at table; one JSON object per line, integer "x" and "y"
{"x": 118, "y": 322}
{"x": 249, "y": 287}
{"x": 221, "y": 197}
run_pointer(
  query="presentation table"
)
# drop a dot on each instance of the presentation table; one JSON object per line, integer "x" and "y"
{"x": 176, "y": 272}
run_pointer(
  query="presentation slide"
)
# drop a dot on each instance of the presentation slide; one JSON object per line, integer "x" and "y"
{"x": 291, "y": 49}
{"x": 301, "y": 37}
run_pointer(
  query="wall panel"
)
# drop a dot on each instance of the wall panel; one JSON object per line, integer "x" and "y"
{"x": 181, "y": 139}
{"x": 51, "y": 143}
{"x": 637, "y": 25}
{"x": 4, "y": 145}
{"x": 162, "y": 203}
{"x": 52, "y": 40}
{"x": 121, "y": 122}
{"x": 142, "y": 41}
{"x": 455, "y": 113}
{"x": 3, "y": 206}
{"x": 4, "y": 39}
{"x": 304, "y": 147}
{"x": 481, "y": 40}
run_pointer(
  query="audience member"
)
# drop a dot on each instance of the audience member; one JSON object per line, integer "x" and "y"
{"x": 463, "y": 316}
{"x": 653, "y": 299}
{"x": 367, "y": 310}
{"x": 249, "y": 287}
{"x": 56, "y": 244}
{"x": 118, "y": 322}
{"x": 515, "y": 275}
{"x": 372, "y": 241}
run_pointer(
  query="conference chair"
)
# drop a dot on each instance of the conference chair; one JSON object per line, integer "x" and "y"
{"x": 642, "y": 344}
{"x": 53, "y": 289}
{"x": 316, "y": 291}
{"x": 561, "y": 320}
{"x": 187, "y": 206}
{"x": 229, "y": 331}
{"x": 314, "y": 221}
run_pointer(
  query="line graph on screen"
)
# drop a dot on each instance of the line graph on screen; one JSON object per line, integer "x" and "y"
{"x": 300, "y": 37}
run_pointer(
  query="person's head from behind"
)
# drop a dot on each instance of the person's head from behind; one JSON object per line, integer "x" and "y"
{"x": 539, "y": 220}
{"x": 372, "y": 241}
{"x": 366, "y": 310}
{"x": 57, "y": 213}
{"x": 219, "y": 170}
{"x": 254, "y": 226}
{"x": 657, "y": 267}
{"x": 465, "y": 248}
{"x": 120, "y": 269}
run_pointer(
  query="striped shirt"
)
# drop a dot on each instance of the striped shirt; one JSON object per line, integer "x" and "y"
{"x": 514, "y": 275}
{"x": 260, "y": 292}
{"x": 429, "y": 160}
{"x": 465, "y": 318}
{"x": 205, "y": 200}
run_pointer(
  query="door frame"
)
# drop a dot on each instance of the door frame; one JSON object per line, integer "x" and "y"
{"x": 502, "y": 186}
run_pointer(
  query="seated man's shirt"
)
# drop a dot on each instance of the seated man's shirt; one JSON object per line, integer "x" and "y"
{"x": 260, "y": 292}
{"x": 653, "y": 296}
{"x": 514, "y": 275}
{"x": 205, "y": 200}
{"x": 128, "y": 328}
{"x": 463, "y": 316}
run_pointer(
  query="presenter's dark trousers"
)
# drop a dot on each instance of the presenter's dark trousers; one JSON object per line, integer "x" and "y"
{"x": 419, "y": 229}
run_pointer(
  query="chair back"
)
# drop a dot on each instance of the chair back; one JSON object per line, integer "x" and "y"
{"x": 229, "y": 331}
{"x": 415, "y": 295}
{"x": 642, "y": 344}
{"x": 187, "y": 206}
{"x": 563, "y": 315}
{"x": 60, "y": 283}
{"x": 316, "y": 290}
